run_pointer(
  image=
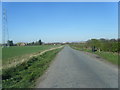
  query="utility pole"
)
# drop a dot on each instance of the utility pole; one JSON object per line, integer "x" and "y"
{"x": 5, "y": 33}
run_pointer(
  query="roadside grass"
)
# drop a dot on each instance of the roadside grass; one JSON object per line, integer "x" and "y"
{"x": 24, "y": 75}
{"x": 109, "y": 56}
{"x": 0, "y": 68}
{"x": 19, "y": 52}
{"x": 0, "y": 53}
{"x": 0, "y": 62}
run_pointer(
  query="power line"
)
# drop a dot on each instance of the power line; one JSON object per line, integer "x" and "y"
{"x": 5, "y": 28}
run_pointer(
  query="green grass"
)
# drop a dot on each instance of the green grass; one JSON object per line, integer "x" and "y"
{"x": 0, "y": 66}
{"x": 109, "y": 56}
{"x": 25, "y": 74}
{"x": 11, "y": 53}
{"x": 0, "y": 53}
{"x": 0, "y": 59}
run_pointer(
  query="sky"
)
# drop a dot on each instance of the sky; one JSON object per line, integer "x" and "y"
{"x": 61, "y": 21}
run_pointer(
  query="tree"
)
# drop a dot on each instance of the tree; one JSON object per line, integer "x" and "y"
{"x": 113, "y": 40}
{"x": 40, "y": 42}
{"x": 10, "y": 43}
{"x": 94, "y": 42}
{"x": 33, "y": 43}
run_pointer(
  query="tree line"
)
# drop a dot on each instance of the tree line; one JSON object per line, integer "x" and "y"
{"x": 107, "y": 45}
{"x": 39, "y": 42}
{"x": 10, "y": 43}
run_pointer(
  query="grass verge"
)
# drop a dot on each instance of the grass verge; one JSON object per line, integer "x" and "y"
{"x": 109, "y": 56}
{"x": 25, "y": 74}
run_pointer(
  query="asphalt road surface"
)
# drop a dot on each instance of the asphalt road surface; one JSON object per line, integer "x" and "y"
{"x": 75, "y": 69}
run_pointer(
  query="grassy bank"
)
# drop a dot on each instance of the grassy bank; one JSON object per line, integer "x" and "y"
{"x": 0, "y": 66}
{"x": 19, "y": 52}
{"x": 109, "y": 56}
{"x": 25, "y": 75}
{"x": 0, "y": 53}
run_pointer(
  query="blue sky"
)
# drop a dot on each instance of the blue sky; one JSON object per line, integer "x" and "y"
{"x": 62, "y": 21}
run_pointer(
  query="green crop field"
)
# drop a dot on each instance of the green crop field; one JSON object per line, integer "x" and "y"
{"x": 11, "y": 53}
{"x": 25, "y": 75}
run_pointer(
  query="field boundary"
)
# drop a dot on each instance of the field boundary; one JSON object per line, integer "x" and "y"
{"x": 26, "y": 59}
{"x": 97, "y": 56}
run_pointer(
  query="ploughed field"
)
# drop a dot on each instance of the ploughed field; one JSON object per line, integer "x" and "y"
{"x": 11, "y": 54}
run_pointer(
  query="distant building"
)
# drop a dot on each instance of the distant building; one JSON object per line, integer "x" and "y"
{"x": 21, "y": 44}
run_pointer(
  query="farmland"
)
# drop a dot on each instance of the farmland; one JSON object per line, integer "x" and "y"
{"x": 19, "y": 52}
{"x": 24, "y": 75}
